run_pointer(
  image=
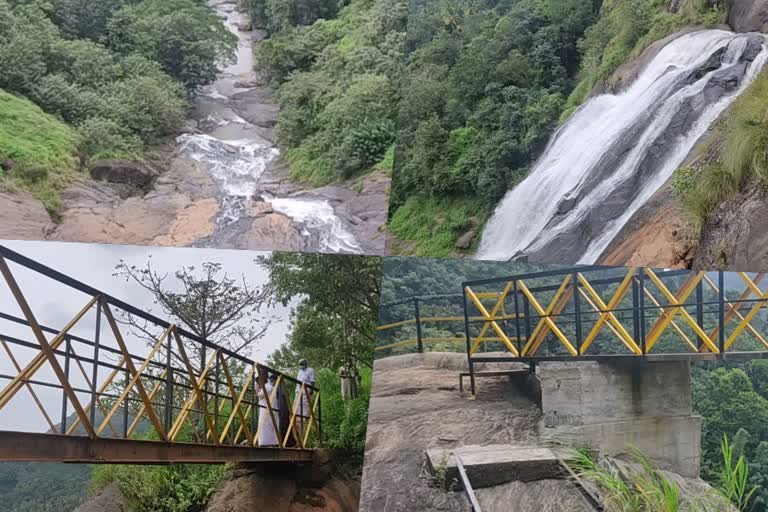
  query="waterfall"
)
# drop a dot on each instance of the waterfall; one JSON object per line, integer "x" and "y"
{"x": 616, "y": 150}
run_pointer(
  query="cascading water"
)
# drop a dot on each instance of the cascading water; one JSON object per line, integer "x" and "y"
{"x": 615, "y": 151}
{"x": 236, "y": 153}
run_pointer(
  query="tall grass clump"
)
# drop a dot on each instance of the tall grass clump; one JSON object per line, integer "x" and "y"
{"x": 734, "y": 477}
{"x": 743, "y": 158}
{"x": 642, "y": 489}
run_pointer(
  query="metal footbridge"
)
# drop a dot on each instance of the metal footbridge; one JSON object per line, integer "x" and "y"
{"x": 587, "y": 313}
{"x": 101, "y": 394}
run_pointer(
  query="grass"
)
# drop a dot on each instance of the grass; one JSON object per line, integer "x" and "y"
{"x": 433, "y": 224}
{"x": 43, "y": 149}
{"x": 643, "y": 489}
{"x": 743, "y": 158}
{"x": 624, "y": 30}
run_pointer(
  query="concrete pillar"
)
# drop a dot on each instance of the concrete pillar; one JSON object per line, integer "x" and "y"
{"x": 610, "y": 406}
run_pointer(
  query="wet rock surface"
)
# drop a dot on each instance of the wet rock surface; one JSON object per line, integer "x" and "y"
{"x": 748, "y": 15}
{"x": 568, "y": 233}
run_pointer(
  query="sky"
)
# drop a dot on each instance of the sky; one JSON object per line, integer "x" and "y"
{"x": 54, "y": 304}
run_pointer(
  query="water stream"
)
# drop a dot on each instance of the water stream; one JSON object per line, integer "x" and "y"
{"x": 616, "y": 150}
{"x": 237, "y": 153}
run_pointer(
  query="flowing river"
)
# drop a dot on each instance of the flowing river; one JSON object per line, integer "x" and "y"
{"x": 616, "y": 150}
{"x": 240, "y": 155}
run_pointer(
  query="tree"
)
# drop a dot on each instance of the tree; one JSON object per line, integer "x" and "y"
{"x": 339, "y": 311}
{"x": 209, "y": 304}
{"x": 184, "y": 36}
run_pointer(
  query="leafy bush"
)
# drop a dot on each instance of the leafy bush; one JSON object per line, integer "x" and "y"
{"x": 104, "y": 138}
{"x": 344, "y": 422}
{"x": 683, "y": 181}
{"x": 173, "y": 488}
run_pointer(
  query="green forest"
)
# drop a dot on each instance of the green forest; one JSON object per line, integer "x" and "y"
{"x": 485, "y": 85}
{"x": 732, "y": 397}
{"x": 336, "y": 68}
{"x": 104, "y": 79}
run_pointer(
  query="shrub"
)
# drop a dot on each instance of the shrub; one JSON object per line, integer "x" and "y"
{"x": 173, "y": 488}
{"x": 104, "y": 138}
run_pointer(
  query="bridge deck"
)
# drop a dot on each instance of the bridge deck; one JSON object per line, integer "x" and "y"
{"x": 38, "y": 447}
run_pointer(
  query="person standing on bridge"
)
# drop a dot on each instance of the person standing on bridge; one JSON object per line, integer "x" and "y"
{"x": 268, "y": 434}
{"x": 306, "y": 375}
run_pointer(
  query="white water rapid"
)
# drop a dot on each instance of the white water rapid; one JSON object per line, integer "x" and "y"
{"x": 237, "y": 153}
{"x": 615, "y": 151}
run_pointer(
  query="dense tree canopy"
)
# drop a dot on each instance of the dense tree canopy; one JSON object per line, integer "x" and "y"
{"x": 338, "y": 315}
{"x": 338, "y": 83}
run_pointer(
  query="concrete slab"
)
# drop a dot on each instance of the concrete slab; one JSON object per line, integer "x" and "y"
{"x": 491, "y": 465}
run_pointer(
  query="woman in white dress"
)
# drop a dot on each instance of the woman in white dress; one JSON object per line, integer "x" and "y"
{"x": 268, "y": 435}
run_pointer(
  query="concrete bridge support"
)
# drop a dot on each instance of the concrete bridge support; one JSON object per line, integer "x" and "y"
{"x": 610, "y": 406}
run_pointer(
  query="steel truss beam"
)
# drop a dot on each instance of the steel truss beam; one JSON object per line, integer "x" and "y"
{"x": 35, "y": 447}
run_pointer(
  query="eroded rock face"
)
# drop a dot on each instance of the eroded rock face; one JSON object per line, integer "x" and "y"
{"x": 656, "y": 236}
{"x": 748, "y": 15}
{"x": 109, "y": 499}
{"x": 735, "y": 236}
{"x": 22, "y": 217}
{"x": 180, "y": 209}
{"x": 283, "y": 488}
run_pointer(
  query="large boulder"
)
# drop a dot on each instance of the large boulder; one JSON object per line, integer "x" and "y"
{"x": 123, "y": 172}
{"x": 109, "y": 499}
{"x": 23, "y": 217}
{"x": 748, "y": 15}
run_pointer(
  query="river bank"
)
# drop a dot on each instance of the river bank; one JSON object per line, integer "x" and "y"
{"x": 220, "y": 183}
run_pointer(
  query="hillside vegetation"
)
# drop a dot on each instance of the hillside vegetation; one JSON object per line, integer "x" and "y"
{"x": 337, "y": 81}
{"x": 485, "y": 86}
{"x": 115, "y": 74}
{"x": 40, "y": 152}
{"x": 739, "y": 160}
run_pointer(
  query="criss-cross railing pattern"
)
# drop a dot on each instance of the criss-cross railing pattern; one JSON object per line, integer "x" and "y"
{"x": 588, "y": 311}
{"x": 182, "y": 390}
{"x": 639, "y": 309}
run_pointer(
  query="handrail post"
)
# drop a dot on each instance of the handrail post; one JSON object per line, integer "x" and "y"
{"x": 721, "y": 311}
{"x": 468, "y": 340}
{"x": 517, "y": 319}
{"x": 201, "y": 416}
{"x": 418, "y": 324}
{"x": 95, "y": 370}
{"x": 126, "y": 404}
{"x": 635, "y": 309}
{"x": 641, "y": 297}
{"x": 700, "y": 310}
{"x": 216, "y": 398}
{"x": 169, "y": 386}
{"x": 320, "y": 418}
{"x": 577, "y": 312}
{"x": 67, "y": 348}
